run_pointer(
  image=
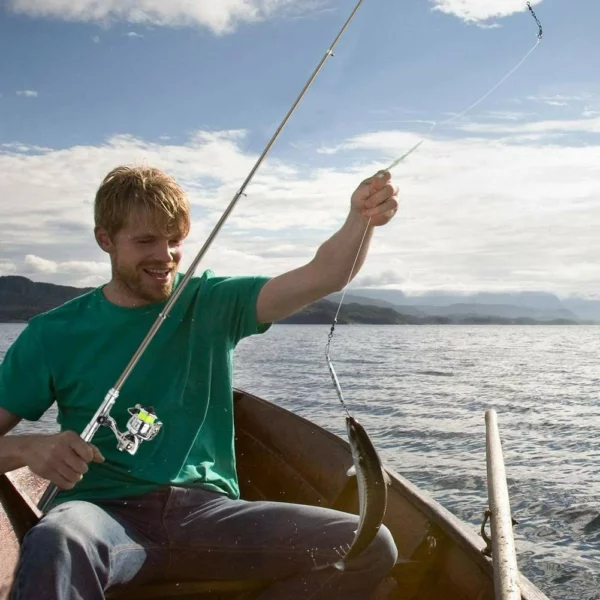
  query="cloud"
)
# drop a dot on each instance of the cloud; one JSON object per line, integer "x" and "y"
{"x": 476, "y": 11}
{"x": 96, "y": 39}
{"x": 7, "y": 267}
{"x": 222, "y": 16}
{"x": 133, "y": 34}
{"x": 558, "y": 99}
{"x": 590, "y": 125}
{"x": 84, "y": 273}
{"x": 40, "y": 265}
{"x": 27, "y": 93}
{"x": 21, "y": 148}
{"x": 493, "y": 210}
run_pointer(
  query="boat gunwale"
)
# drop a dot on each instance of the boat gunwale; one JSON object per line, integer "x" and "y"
{"x": 457, "y": 530}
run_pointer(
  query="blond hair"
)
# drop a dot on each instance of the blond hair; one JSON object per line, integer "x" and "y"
{"x": 127, "y": 189}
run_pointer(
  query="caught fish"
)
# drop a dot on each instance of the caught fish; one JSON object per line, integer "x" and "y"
{"x": 372, "y": 490}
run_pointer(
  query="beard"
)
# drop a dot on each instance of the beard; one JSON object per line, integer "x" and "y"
{"x": 139, "y": 284}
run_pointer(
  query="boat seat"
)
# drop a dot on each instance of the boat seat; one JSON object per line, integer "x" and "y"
{"x": 24, "y": 514}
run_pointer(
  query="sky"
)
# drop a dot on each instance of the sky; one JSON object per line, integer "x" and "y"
{"x": 503, "y": 198}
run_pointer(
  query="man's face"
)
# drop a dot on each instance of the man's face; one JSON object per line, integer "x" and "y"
{"x": 145, "y": 259}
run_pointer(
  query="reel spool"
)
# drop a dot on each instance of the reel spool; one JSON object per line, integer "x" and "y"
{"x": 141, "y": 427}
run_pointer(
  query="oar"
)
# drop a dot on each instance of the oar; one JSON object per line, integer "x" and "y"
{"x": 504, "y": 556}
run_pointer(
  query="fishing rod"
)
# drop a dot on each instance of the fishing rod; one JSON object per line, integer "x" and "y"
{"x": 395, "y": 163}
{"x": 143, "y": 424}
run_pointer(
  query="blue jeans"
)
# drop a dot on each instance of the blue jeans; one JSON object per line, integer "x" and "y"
{"x": 80, "y": 549}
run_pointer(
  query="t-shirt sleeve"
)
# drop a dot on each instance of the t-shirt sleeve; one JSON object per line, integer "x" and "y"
{"x": 239, "y": 296}
{"x": 26, "y": 388}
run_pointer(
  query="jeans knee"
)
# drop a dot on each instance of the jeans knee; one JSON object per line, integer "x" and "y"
{"x": 48, "y": 539}
{"x": 60, "y": 535}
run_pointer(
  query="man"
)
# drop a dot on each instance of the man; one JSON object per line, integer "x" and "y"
{"x": 172, "y": 510}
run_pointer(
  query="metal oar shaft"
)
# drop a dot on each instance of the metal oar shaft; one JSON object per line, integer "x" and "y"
{"x": 92, "y": 427}
{"x": 506, "y": 570}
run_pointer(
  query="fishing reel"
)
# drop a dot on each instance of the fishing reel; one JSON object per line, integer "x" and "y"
{"x": 141, "y": 427}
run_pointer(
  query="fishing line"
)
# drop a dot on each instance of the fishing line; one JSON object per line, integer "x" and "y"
{"x": 395, "y": 163}
{"x": 485, "y": 96}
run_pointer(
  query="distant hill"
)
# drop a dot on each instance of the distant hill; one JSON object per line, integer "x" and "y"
{"x": 540, "y": 306}
{"x": 323, "y": 313}
{"x": 21, "y": 299}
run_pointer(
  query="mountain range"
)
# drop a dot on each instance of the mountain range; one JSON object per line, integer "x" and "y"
{"x": 540, "y": 306}
{"x": 21, "y": 299}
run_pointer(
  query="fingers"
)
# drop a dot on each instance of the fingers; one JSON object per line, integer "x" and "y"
{"x": 65, "y": 477}
{"x": 83, "y": 449}
{"x": 382, "y": 201}
{"x": 74, "y": 463}
{"x": 388, "y": 191}
{"x": 378, "y": 180}
{"x": 382, "y": 177}
{"x": 97, "y": 454}
{"x": 388, "y": 208}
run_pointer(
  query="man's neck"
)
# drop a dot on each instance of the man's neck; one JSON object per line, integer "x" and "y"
{"x": 117, "y": 293}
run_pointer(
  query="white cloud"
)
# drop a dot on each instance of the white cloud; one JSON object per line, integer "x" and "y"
{"x": 220, "y": 16}
{"x": 40, "y": 265}
{"x": 19, "y": 147}
{"x": 133, "y": 34}
{"x": 475, "y": 11}
{"x": 96, "y": 39}
{"x": 558, "y": 99}
{"x": 7, "y": 267}
{"x": 476, "y": 214}
{"x": 591, "y": 125}
{"x": 27, "y": 93}
{"x": 82, "y": 273}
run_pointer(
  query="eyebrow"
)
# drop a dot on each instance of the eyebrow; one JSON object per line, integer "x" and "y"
{"x": 143, "y": 236}
{"x": 153, "y": 236}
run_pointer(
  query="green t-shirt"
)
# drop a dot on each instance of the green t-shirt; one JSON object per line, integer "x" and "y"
{"x": 75, "y": 353}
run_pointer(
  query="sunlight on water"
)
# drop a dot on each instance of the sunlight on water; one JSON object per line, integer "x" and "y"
{"x": 421, "y": 393}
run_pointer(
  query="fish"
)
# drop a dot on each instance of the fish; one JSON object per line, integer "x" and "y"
{"x": 372, "y": 482}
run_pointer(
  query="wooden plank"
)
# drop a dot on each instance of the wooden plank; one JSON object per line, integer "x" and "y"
{"x": 504, "y": 556}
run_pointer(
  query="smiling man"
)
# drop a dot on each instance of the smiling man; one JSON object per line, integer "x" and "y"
{"x": 172, "y": 510}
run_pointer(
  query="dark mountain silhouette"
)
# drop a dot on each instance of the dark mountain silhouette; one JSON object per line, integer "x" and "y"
{"x": 21, "y": 299}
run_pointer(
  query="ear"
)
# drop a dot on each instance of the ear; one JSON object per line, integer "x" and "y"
{"x": 103, "y": 239}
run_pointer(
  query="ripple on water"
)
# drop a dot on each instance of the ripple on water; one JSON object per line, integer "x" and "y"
{"x": 421, "y": 393}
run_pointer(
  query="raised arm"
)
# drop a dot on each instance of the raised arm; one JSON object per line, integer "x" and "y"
{"x": 329, "y": 271}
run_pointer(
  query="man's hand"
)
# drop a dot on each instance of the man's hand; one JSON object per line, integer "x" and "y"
{"x": 376, "y": 199}
{"x": 62, "y": 458}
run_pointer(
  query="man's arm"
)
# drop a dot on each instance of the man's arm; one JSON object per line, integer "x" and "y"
{"x": 11, "y": 455}
{"x": 329, "y": 271}
{"x": 62, "y": 458}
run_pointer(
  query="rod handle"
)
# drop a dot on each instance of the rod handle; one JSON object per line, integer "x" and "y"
{"x": 48, "y": 497}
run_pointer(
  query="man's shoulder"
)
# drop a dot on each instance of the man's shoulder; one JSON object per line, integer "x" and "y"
{"x": 211, "y": 281}
{"x": 79, "y": 305}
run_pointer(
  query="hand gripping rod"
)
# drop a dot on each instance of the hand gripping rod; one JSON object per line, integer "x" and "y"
{"x": 113, "y": 393}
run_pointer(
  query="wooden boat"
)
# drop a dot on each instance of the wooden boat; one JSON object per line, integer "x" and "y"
{"x": 284, "y": 457}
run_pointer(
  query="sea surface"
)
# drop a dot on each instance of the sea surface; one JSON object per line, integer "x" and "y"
{"x": 422, "y": 392}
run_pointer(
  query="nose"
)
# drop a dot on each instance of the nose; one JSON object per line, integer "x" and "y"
{"x": 164, "y": 252}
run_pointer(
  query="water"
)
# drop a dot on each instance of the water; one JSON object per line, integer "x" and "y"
{"x": 422, "y": 392}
